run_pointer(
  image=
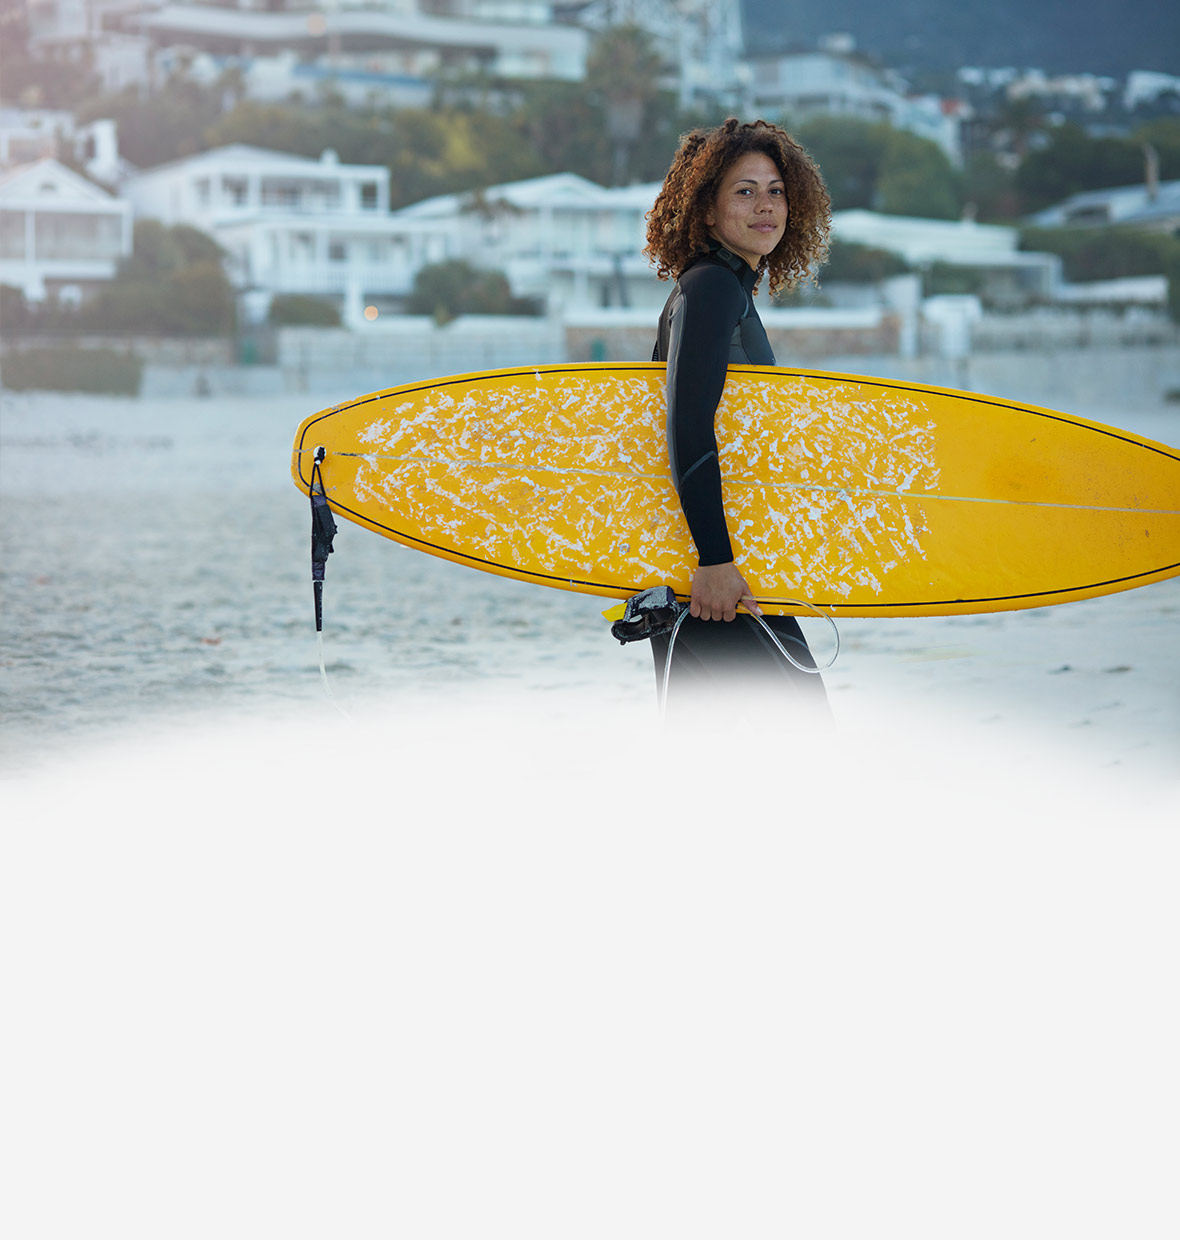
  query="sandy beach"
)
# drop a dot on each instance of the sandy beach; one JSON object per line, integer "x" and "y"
{"x": 476, "y": 948}
{"x": 155, "y": 572}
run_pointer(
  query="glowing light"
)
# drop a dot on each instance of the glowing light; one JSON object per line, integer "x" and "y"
{"x": 371, "y": 313}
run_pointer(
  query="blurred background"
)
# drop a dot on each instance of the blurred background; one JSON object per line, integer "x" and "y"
{"x": 270, "y": 196}
{"x": 490, "y": 956}
{"x": 216, "y": 219}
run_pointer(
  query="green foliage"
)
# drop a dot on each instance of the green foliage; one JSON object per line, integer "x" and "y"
{"x": 942, "y": 278}
{"x": 447, "y": 290}
{"x": 1104, "y": 253}
{"x": 1164, "y": 136}
{"x": 14, "y": 310}
{"x": 1111, "y": 254}
{"x": 1172, "y": 271}
{"x": 168, "y": 124}
{"x": 294, "y": 310}
{"x": 849, "y": 155}
{"x": 872, "y": 166}
{"x": 1073, "y": 162}
{"x": 428, "y": 152}
{"x": 990, "y": 188}
{"x": 158, "y": 250}
{"x": 852, "y": 263}
{"x": 172, "y": 283}
{"x": 623, "y": 71}
{"x": 72, "y": 369}
{"x": 916, "y": 178}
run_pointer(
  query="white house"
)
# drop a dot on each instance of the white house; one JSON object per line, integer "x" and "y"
{"x": 29, "y": 134}
{"x": 560, "y": 238}
{"x": 60, "y": 235}
{"x": 79, "y": 32}
{"x": 1151, "y": 205}
{"x": 992, "y": 249}
{"x": 702, "y": 42}
{"x": 800, "y": 85}
{"x": 347, "y": 37}
{"x": 291, "y": 224}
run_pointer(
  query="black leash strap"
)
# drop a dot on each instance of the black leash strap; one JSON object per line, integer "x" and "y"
{"x": 323, "y": 530}
{"x": 650, "y": 613}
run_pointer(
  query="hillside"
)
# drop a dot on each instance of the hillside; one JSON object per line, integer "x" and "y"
{"x": 1057, "y": 35}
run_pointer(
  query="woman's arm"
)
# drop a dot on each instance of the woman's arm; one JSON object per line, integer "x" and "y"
{"x": 711, "y": 304}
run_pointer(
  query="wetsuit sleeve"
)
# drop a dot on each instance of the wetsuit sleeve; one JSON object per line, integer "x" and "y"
{"x": 711, "y": 304}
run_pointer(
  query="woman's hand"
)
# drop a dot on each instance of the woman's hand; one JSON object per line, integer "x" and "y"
{"x": 717, "y": 589}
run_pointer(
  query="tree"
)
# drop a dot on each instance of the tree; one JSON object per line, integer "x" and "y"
{"x": 447, "y": 290}
{"x": 872, "y": 166}
{"x": 172, "y": 282}
{"x": 1073, "y": 161}
{"x": 849, "y": 153}
{"x": 1104, "y": 253}
{"x": 852, "y": 263}
{"x": 916, "y": 178}
{"x": 292, "y": 309}
{"x": 1163, "y": 136}
{"x": 166, "y": 125}
{"x": 623, "y": 71}
{"x": 14, "y": 309}
{"x": 990, "y": 188}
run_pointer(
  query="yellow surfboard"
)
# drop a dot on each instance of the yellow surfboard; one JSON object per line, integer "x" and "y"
{"x": 859, "y": 496}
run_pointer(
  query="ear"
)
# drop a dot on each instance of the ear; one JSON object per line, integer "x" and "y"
{"x": 710, "y": 218}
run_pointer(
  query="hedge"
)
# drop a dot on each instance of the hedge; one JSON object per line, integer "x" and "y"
{"x": 72, "y": 369}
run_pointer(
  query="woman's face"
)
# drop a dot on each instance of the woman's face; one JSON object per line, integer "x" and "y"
{"x": 749, "y": 214}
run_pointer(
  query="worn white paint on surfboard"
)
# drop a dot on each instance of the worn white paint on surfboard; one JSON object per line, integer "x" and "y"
{"x": 854, "y": 494}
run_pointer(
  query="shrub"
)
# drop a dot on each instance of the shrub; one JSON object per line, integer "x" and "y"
{"x": 447, "y": 290}
{"x": 72, "y": 369}
{"x": 14, "y": 310}
{"x": 849, "y": 262}
{"x": 295, "y": 310}
{"x": 942, "y": 278}
{"x": 1104, "y": 253}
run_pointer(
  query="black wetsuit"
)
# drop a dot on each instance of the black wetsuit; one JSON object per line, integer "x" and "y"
{"x": 709, "y": 322}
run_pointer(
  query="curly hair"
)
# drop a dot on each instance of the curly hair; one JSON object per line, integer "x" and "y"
{"x": 676, "y": 230}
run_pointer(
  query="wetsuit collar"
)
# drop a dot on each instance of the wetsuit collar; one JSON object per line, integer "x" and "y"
{"x": 738, "y": 266}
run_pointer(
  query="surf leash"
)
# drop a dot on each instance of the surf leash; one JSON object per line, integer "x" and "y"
{"x": 323, "y": 531}
{"x": 655, "y": 612}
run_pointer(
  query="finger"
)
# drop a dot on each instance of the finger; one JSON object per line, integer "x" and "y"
{"x": 751, "y": 604}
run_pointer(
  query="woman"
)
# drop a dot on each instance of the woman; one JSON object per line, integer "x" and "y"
{"x": 740, "y": 201}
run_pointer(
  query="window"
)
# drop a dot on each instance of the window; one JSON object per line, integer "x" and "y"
{"x": 74, "y": 235}
{"x": 280, "y": 194}
{"x": 12, "y": 234}
{"x": 337, "y": 251}
{"x": 369, "y": 196}
{"x": 235, "y": 189}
